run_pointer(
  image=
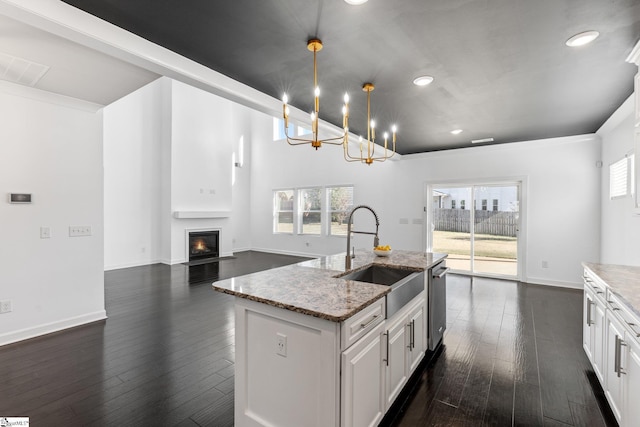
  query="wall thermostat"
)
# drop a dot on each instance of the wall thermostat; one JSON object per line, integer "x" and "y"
{"x": 19, "y": 198}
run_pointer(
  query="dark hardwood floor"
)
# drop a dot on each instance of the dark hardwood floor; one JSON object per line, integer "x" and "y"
{"x": 512, "y": 355}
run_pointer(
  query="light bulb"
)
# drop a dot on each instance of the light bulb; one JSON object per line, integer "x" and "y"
{"x": 344, "y": 110}
{"x": 286, "y": 110}
{"x": 285, "y": 99}
{"x": 317, "y": 91}
{"x": 346, "y": 98}
{"x": 394, "y": 128}
{"x": 386, "y": 135}
{"x": 313, "y": 115}
{"x": 373, "y": 124}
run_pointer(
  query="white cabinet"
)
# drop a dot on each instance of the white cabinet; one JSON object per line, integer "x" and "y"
{"x": 594, "y": 328}
{"x": 396, "y": 361}
{"x": 417, "y": 328}
{"x": 613, "y": 378}
{"x": 631, "y": 388}
{"x": 406, "y": 346}
{"x": 363, "y": 381}
{"x": 611, "y": 340}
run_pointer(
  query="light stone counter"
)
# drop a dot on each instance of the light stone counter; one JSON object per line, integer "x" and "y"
{"x": 312, "y": 288}
{"x": 623, "y": 280}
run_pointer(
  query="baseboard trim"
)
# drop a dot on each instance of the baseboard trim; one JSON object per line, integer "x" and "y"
{"x": 556, "y": 283}
{"x": 48, "y": 328}
{"x": 132, "y": 264}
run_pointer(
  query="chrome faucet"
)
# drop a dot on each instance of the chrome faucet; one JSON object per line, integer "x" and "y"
{"x": 376, "y": 241}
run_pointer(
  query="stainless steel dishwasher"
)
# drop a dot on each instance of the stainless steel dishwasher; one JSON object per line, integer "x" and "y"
{"x": 437, "y": 300}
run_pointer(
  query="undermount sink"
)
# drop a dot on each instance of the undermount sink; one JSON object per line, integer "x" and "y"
{"x": 405, "y": 284}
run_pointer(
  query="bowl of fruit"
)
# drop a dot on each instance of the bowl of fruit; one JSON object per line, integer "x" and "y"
{"x": 382, "y": 250}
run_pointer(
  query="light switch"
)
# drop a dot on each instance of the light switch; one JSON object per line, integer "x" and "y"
{"x": 45, "y": 232}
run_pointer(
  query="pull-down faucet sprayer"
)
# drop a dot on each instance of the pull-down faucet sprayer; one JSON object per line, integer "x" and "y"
{"x": 376, "y": 241}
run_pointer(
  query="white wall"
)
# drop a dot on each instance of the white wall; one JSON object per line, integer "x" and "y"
{"x": 620, "y": 225}
{"x": 133, "y": 144}
{"x": 170, "y": 147}
{"x": 52, "y": 148}
{"x": 562, "y": 205}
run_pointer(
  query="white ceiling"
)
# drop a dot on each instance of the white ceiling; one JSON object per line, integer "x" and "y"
{"x": 75, "y": 70}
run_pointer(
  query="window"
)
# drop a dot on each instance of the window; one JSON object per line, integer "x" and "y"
{"x": 621, "y": 177}
{"x": 283, "y": 211}
{"x": 310, "y": 210}
{"x": 461, "y": 204}
{"x": 484, "y": 204}
{"x": 278, "y": 129}
{"x": 340, "y": 204}
{"x": 495, "y": 205}
{"x": 453, "y": 204}
{"x": 315, "y": 211}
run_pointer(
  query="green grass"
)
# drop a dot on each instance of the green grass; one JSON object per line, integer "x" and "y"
{"x": 485, "y": 245}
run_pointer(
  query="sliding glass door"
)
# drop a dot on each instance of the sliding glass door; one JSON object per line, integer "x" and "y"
{"x": 478, "y": 226}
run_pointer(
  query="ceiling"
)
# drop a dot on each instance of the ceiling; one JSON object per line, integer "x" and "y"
{"x": 69, "y": 68}
{"x": 501, "y": 67}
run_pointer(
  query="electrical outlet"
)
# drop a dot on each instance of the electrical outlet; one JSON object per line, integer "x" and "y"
{"x": 45, "y": 232}
{"x": 281, "y": 344}
{"x": 545, "y": 264}
{"x": 79, "y": 230}
{"x": 6, "y": 306}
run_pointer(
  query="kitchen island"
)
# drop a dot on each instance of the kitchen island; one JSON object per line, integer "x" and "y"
{"x": 315, "y": 349}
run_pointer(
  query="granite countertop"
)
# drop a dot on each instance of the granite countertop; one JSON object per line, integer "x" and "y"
{"x": 623, "y": 280}
{"x": 312, "y": 288}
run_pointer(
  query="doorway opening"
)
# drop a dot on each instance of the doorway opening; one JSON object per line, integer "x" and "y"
{"x": 478, "y": 225}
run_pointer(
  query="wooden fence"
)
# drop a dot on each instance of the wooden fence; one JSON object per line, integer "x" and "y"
{"x": 497, "y": 223}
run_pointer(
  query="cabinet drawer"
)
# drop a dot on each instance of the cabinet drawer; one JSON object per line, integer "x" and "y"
{"x": 629, "y": 320}
{"x": 598, "y": 288}
{"x": 362, "y": 322}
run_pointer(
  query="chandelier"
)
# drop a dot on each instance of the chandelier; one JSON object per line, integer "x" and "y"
{"x": 314, "y": 45}
{"x": 369, "y": 155}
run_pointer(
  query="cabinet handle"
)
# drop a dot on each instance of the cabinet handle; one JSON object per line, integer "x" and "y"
{"x": 616, "y": 356}
{"x": 633, "y": 328}
{"x": 386, "y": 358}
{"x": 413, "y": 334}
{"x": 408, "y": 325}
{"x": 611, "y": 303}
{"x": 364, "y": 325}
{"x": 617, "y": 363}
{"x": 589, "y": 321}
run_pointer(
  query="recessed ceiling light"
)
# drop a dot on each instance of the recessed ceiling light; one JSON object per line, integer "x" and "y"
{"x": 456, "y": 131}
{"x": 582, "y": 38}
{"x": 422, "y": 80}
{"x": 355, "y": 2}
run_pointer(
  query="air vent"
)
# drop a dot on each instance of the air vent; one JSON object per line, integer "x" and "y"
{"x": 21, "y": 71}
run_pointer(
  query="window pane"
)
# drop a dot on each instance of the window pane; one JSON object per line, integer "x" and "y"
{"x": 618, "y": 178}
{"x": 283, "y": 211}
{"x": 278, "y": 129}
{"x": 340, "y": 204}
{"x": 310, "y": 210}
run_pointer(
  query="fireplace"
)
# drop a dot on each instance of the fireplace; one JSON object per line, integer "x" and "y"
{"x": 203, "y": 245}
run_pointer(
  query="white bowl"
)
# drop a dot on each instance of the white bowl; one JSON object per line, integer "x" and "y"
{"x": 382, "y": 253}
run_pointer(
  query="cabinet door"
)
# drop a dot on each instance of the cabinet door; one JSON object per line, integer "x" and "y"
{"x": 363, "y": 381}
{"x": 397, "y": 361}
{"x": 632, "y": 382}
{"x": 417, "y": 320}
{"x": 613, "y": 356}
{"x": 588, "y": 308}
{"x": 597, "y": 338}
